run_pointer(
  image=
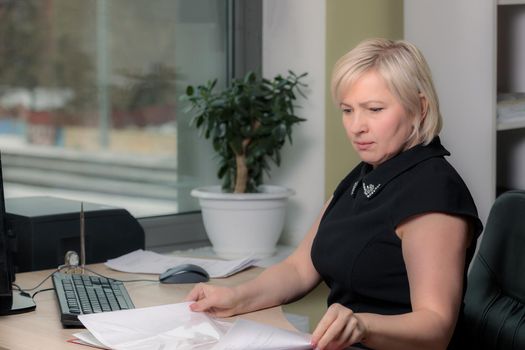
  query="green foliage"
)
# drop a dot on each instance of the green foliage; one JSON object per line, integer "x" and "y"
{"x": 249, "y": 122}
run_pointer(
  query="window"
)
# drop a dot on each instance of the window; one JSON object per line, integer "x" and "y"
{"x": 89, "y": 96}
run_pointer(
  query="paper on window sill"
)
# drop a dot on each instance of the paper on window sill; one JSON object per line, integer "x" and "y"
{"x": 143, "y": 261}
{"x": 175, "y": 326}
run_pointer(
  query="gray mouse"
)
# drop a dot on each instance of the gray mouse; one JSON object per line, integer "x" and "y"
{"x": 186, "y": 273}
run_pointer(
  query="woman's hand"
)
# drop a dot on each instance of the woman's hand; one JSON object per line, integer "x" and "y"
{"x": 338, "y": 329}
{"x": 215, "y": 300}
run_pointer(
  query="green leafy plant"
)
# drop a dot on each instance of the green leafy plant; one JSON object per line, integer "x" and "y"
{"x": 248, "y": 123}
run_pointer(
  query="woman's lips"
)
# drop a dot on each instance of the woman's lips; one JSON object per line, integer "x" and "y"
{"x": 363, "y": 146}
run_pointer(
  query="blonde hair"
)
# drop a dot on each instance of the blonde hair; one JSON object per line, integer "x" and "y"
{"x": 407, "y": 75}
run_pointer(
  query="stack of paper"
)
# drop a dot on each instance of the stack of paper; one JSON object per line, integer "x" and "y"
{"x": 175, "y": 326}
{"x": 141, "y": 261}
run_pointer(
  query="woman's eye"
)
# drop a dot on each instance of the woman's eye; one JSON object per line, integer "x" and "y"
{"x": 347, "y": 110}
{"x": 376, "y": 109}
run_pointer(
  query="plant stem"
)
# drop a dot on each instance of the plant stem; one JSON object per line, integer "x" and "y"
{"x": 241, "y": 176}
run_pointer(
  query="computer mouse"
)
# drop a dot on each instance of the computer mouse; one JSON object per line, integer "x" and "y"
{"x": 185, "y": 273}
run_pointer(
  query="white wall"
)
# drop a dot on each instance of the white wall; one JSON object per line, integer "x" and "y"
{"x": 511, "y": 48}
{"x": 459, "y": 44}
{"x": 294, "y": 38}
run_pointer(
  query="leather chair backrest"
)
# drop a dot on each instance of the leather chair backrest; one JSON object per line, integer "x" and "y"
{"x": 494, "y": 314}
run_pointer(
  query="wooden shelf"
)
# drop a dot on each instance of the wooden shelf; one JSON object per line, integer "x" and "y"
{"x": 511, "y": 123}
{"x": 511, "y": 2}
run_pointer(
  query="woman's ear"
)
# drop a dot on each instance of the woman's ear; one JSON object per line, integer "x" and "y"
{"x": 423, "y": 103}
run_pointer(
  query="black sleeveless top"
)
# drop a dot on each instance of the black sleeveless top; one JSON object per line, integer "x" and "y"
{"x": 356, "y": 249}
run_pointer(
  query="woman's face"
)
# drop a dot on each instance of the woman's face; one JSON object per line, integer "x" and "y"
{"x": 375, "y": 121}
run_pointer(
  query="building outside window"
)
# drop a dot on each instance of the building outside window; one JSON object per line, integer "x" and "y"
{"x": 89, "y": 98}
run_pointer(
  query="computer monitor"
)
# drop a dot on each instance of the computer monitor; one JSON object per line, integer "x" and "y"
{"x": 10, "y": 301}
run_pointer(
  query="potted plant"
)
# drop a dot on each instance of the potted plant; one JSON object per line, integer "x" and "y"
{"x": 248, "y": 123}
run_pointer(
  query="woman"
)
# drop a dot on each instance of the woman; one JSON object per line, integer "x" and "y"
{"x": 394, "y": 241}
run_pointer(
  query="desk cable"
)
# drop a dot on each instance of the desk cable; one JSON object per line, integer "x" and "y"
{"x": 25, "y": 291}
{"x": 70, "y": 269}
{"x": 119, "y": 280}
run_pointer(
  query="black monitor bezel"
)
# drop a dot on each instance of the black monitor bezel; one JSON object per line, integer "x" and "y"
{"x": 11, "y": 302}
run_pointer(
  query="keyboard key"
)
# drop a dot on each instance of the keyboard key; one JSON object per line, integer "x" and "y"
{"x": 79, "y": 294}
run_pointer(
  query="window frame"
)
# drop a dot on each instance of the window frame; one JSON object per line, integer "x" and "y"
{"x": 181, "y": 231}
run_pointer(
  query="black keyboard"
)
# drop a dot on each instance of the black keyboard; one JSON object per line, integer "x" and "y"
{"x": 83, "y": 294}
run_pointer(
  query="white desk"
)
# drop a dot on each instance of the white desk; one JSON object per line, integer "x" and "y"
{"x": 41, "y": 329}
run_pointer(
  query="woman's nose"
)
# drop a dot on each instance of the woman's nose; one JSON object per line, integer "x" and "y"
{"x": 356, "y": 124}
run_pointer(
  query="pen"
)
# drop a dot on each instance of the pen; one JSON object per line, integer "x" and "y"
{"x": 82, "y": 239}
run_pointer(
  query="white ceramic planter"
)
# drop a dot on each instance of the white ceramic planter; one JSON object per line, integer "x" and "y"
{"x": 242, "y": 224}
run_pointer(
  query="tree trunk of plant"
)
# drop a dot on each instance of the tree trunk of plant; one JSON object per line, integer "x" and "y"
{"x": 241, "y": 176}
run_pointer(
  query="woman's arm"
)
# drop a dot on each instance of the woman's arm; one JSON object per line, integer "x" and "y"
{"x": 434, "y": 249}
{"x": 278, "y": 284}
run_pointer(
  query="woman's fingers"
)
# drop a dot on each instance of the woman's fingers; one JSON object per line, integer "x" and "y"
{"x": 217, "y": 301}
{"x": 196, "y": 293}
{"x": 323, "y": 325}
{"x": 338, "y": 329}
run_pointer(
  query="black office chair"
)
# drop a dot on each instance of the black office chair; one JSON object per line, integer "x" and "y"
{"x": 494, "y": 315}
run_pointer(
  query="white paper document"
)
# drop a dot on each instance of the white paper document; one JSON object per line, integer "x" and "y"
{"x": 245, "y": 334}
{"x": 175, "y": 326}
{"x": 142, "y": 261}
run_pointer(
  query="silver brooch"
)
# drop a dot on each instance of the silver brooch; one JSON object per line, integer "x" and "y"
{"x": 354, "y": 187}
{"x": 369, "y": 190}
